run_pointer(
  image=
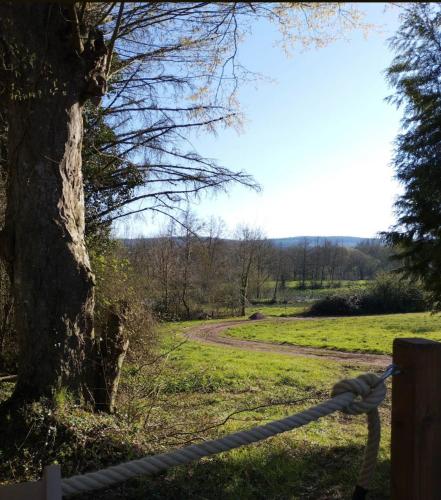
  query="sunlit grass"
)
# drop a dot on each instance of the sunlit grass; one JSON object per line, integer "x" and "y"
{"x": 239, "y": 370}
{"x": 204, "y": 384}
{"x": 295, "y": 291}
{"x": 201, "y": 392}
{"x": 277, "y": 310}
{"x": 373, "y": 334}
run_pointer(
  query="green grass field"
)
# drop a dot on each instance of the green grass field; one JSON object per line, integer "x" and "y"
{"x": 278, "y": 310}
{"x": 202, "y": 392}
{"x": 293, "y": 291}
{"x": 373, "y": 334}
{"x": 204, "y": 385}
{"x": 328, "y": 285}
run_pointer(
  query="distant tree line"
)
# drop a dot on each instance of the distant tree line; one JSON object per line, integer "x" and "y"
{"x": 192, "y": 270}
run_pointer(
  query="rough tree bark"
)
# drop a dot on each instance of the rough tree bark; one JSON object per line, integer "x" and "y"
{"x": 49, "y": 74}
{"x": 111, "y": 351}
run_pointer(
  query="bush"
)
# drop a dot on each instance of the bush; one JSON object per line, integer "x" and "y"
{"x": 118, "y": 286}
{"x": 335, "y": 305}
{"x": 387, "y": 294}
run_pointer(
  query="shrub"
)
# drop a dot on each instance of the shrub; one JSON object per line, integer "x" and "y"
{"x": 387, "y": 294}
{"x": 335, "y": 305}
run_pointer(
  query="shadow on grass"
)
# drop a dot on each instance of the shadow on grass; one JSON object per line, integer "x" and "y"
{"x": 296, "y": 473}
{"x": 279, "y": 468}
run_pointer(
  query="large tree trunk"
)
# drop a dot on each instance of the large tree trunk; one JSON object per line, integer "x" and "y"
{"x": 43, "y": 241}
{"x": 49, "y": 268}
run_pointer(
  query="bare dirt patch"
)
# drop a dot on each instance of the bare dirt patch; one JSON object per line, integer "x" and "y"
{"x": 212, "y": 334}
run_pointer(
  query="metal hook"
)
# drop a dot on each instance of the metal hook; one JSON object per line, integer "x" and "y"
{"x": 391, "y": 370}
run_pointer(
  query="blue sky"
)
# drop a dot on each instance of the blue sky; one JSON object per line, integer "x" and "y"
{"x": 318, "y": 140}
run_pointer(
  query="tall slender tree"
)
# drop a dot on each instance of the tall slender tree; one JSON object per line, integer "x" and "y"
{"x": 415, "y": 75}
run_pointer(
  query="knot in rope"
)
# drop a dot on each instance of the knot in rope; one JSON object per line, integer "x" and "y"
{"x": 369, "y": 390}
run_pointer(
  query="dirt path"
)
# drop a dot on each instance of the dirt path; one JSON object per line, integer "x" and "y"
{"x": 212, "y": 334}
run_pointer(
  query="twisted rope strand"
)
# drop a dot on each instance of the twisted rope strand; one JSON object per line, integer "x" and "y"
{"x": 372, "y": 391}
{"x": 346, "y": 397}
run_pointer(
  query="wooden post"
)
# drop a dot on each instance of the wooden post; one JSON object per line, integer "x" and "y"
{"x": 52, "y": 482}
{"x": 49, "y": 488}
{"x": 416, "y": 420}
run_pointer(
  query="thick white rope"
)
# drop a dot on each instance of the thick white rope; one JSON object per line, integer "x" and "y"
{"x": 354, "y": 396}
{"x": 371, "y": 388}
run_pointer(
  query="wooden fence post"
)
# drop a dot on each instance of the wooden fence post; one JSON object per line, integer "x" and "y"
{"x": 416, "y": 420}
{"x": 52, "y": 482}
{"x": 48, "y": 488}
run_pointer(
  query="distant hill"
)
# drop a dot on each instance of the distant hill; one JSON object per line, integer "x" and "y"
{"x": 346, "y": 241}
